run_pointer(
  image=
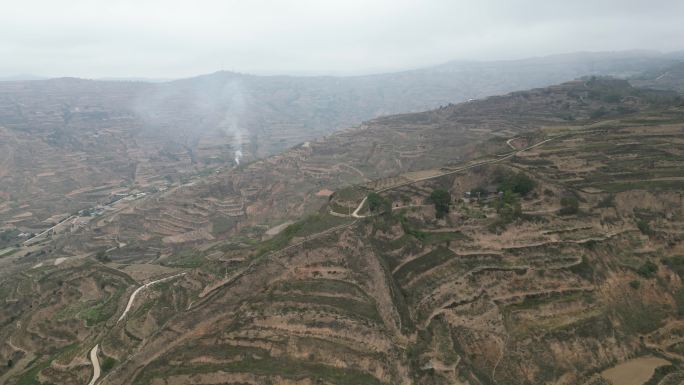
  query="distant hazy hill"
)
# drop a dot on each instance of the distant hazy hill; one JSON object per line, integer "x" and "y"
{"x": 669, "y": 78}
{"x": 85, "y": 138}
{"x": 275, "y": 112}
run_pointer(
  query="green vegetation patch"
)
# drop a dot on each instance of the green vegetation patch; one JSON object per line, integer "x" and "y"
{"x": 185, "y": 259}
{"x": 648, "y": 269}
{"x": 638, "y": 317}
{"x": 347, "y": 305}
{"x": 423, "y": 263}
{"x": 378, "y": 204}
{"x": 650, "y": 185}
{"x": 8, "y": 237}
{"x": 107, "y": 364}
{"x": 679, "y": 300}
{"x": 269, "y": 366}
{"x": 596, "y": 325}
{"x": 676, "y": 264}
{"x": 441, "y": 198}
{"x": 8, "y": 251}
{"x": 584, "y": 269}
{"x": 397, "y": 243}
{"x": 535, "y": 301}
{"x": 444, "y": 344}
{"x": 221, "y": 224}
{"x": 352, "y": 193}
{"x": 537, "y": 162}
{"x": 317, "y": 223}
{"x": 310, "y": 225}
{"x": 102, "y": 311}
{"x": 31, "y": 376}
{"x": 517, "y": 183}
{"x": 569, "y": 205}
{"x": 428, "y": 237}
{"x": 397, "y": 295}
{"x": 67, "y": 353}
{"x": 660, "y": 373}
{"x": 644, "y": 227}
{"x": 331, "y": 286}
{"x": 217, "y": 350}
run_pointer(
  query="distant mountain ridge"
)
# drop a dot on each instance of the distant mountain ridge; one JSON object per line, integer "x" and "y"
{"x": 101, "y": 136}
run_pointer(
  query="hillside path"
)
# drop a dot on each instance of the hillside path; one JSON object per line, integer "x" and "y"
{"x": 135, "y": 293}
{"x": 96, "y": 365}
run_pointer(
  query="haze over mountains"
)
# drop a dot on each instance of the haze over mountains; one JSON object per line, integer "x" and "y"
{"x": 96, "y": 137}
{"x": 241, "y": 229}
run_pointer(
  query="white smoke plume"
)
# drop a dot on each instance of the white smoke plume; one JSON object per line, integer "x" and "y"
{"x": 190, "y": 110}
{"x": 231, "y": 124}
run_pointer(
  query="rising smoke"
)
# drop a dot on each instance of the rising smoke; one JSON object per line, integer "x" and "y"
{"x": 202, "y": 105}
{"x": 235, "y": 109}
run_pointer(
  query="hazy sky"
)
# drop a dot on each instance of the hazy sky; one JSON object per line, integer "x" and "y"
{"x": 167, "y": 38}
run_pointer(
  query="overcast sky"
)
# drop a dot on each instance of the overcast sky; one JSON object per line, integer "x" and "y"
{"x": 167, "y": 38}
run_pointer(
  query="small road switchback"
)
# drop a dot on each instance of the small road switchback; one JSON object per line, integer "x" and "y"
{"x": 135, "y": 293}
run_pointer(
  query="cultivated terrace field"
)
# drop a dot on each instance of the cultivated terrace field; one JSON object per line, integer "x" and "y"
{"x": 70, "y": 144}
{"x": 530, "y": 238}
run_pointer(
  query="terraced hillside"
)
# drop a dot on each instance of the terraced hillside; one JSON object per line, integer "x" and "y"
{"x": 555, "y": 258}
{"x": 286, "y": 186}
{"x": 522, "y": 287}
{"x": 72, "y": 144}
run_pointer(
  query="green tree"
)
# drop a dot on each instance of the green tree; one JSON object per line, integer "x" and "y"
{"x": 386, "y": 206}
{"x": 441, "y": 199}
{"x": 378, "y": 204}
{"x": 521, "y": 184}
{"x": 508, "y": 207}
{"x": 644, "y": 227}
{"x": 518, "y": 183}
{"x": 108, "y": 363}
{"x": 648, "y": 269}
{"x": 374, "y": 201}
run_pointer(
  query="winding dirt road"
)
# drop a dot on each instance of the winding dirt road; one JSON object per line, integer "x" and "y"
{"x": 135, "y": 293}
{"x": 96, "y": 365}
{"x": 508, "y": 142}
{"x": 355, "y": 214}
